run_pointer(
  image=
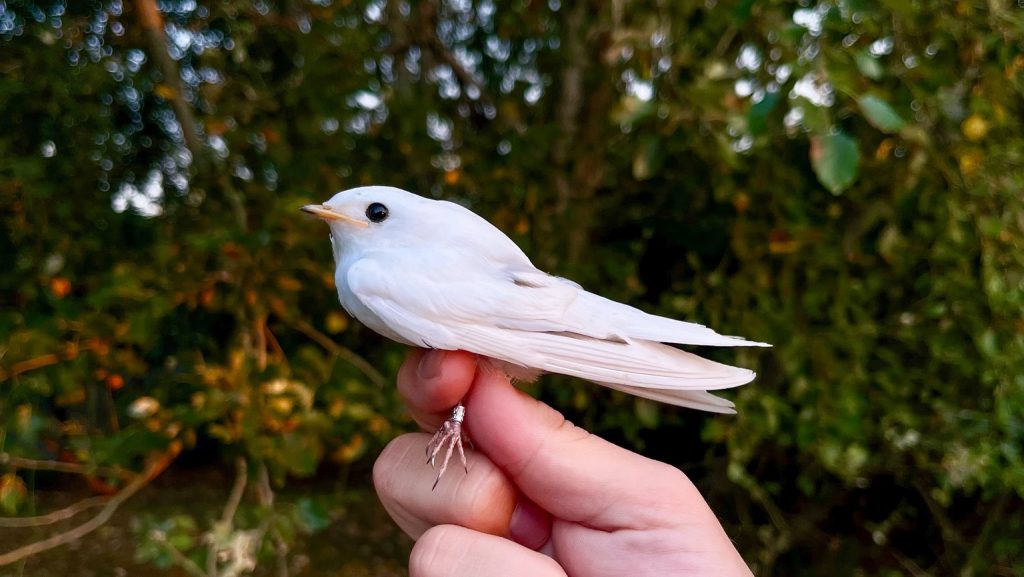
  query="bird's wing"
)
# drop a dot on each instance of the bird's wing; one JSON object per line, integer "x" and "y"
{"x": 503, "y": 320}
{"x": 636, "y": 324}
{"x": 593, "y": 315}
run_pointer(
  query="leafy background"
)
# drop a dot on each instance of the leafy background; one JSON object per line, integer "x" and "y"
{"x": 842, "y": 179}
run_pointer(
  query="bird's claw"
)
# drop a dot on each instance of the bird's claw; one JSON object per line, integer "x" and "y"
{"x": 450, "y": 435}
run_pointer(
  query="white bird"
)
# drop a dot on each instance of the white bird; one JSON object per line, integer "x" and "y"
{"x": 433, "y": 274}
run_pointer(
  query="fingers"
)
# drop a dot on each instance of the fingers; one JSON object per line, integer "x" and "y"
{"x": 431, "y": 382}
{"x": 482, "y": 499}
{"x": 453, "y": 551}
{"x": 530, "y": 525}
{"x": 574, "y": 475}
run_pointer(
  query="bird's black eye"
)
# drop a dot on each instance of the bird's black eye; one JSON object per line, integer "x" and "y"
{"x": 376, "y": 212}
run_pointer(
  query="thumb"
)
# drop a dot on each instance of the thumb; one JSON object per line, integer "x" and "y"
{"x": 571, "y": 473}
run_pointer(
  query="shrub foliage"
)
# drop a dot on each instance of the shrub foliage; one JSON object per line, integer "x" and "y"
{"x": 840, "y": 178}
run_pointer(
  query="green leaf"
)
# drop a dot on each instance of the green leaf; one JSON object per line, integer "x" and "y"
{"x": 880, "y": 114}
{"x": 648, "y": 159}
{"x": 869, "y": 65}
{"x": 816, "y": 119}
{"x": 632, "y": 110}
{"x": 301, "y": 453}
{"x": 758, "y": 115}
{"x": 12, "y": 493}
{"x": 311, "y": 515}
{"x": 647, "y": 413}
{"x": 741, "y": 13}
{"x": 835, "y": 159}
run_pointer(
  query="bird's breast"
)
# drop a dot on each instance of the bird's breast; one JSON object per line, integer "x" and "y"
{"x": 355, "y": 307}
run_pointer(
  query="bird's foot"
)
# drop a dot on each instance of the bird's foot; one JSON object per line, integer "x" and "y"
{"x": 450, "y": 436}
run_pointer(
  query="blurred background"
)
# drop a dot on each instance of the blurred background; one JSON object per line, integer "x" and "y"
{"x": 181, "y": 394}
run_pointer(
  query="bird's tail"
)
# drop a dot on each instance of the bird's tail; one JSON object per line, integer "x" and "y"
{"x": 647, "y": 369}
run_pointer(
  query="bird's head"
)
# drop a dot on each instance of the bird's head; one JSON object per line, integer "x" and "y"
{"x": 375, "y": 216}
{"x": 383, "y": 217}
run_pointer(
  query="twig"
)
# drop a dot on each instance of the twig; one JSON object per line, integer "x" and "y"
{"x": 53, "y": 516}
{"x": 237, "y": 491}
{"x": 29, "y": 365}
{"x": 266, "y": 496}
{"x": 62, "y": 467}
{"x": 950, "y": 535}
{"x": 913, "y": 568}
{"x": 264, "y": 491}
{"x": 274, "y": 344}
{"x": 152, "y": 471}
{"x": 228, "y": 515}
{"x": 261, "y": 342}
{"x": 337, "y": 350}
{"x": 992, "y": 521}
{"x": 179, "y": 557}
{"x": 70, "y": 353}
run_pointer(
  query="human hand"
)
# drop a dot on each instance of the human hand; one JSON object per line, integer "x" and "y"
{"x": 542, "y": 497}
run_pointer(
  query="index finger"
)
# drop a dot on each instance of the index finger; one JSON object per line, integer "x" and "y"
{"x": 431, "y": 382}
{"x": 577, "y": 476}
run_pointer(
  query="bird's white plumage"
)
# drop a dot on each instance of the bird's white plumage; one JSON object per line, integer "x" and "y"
{"x": 436, "y": 275}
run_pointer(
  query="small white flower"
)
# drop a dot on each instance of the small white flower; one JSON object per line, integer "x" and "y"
{"x": 143, "y": 407}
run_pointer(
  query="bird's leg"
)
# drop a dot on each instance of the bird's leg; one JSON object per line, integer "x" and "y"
{"x": 449, "y": 434}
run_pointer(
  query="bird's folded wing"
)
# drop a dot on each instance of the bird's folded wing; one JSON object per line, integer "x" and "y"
{"x": 592, "y": 315}
{"x": 488, "y": 318}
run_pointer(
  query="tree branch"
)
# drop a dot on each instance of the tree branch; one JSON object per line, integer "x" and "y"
{"x": 426, "y": 35}
{"x": 266, "y": 496}
{"x": 152, "y": 23}
{"x": 53, "y": 516}
{"x": 151, "y": 472}
{"x": 335, "y": 349}
{"x": 228, "y": 515}
{"x": 62, "y": 467}
{"x": 237, "y": 491}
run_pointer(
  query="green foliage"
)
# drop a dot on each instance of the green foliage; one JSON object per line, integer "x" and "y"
{"x": 841, "y": 179}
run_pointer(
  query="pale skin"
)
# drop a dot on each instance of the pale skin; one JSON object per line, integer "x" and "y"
{"x": 541, "y": 497}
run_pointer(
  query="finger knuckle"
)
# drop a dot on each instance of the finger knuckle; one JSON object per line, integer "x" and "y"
{"x": 385, "y": 467}
{"x": 677, "y": 486}
{"x": 488, "y": 500}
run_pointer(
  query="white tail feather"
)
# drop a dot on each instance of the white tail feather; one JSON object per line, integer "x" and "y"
{"x": 636, "y": 364}
{"x": 701, "y": 400}
{"x": 637, "y": 324}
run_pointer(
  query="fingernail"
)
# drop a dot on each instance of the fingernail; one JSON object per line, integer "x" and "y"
{"x": 430, "y": 365}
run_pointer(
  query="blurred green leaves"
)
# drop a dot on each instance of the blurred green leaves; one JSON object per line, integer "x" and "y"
{"x": 670, "y": 155}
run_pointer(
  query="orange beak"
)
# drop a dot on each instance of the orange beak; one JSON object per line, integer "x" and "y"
{"x": 327, "y": 213}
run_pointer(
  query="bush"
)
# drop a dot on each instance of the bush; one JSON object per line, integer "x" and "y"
{"x": 840, "y": 179}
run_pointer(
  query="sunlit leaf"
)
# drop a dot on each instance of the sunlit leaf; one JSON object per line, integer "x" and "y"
{"x": 880, "y": 114}
{"x": 12, "y": 493}
{"x": 868, "y": 65}
{"x": 835, "y": 158}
